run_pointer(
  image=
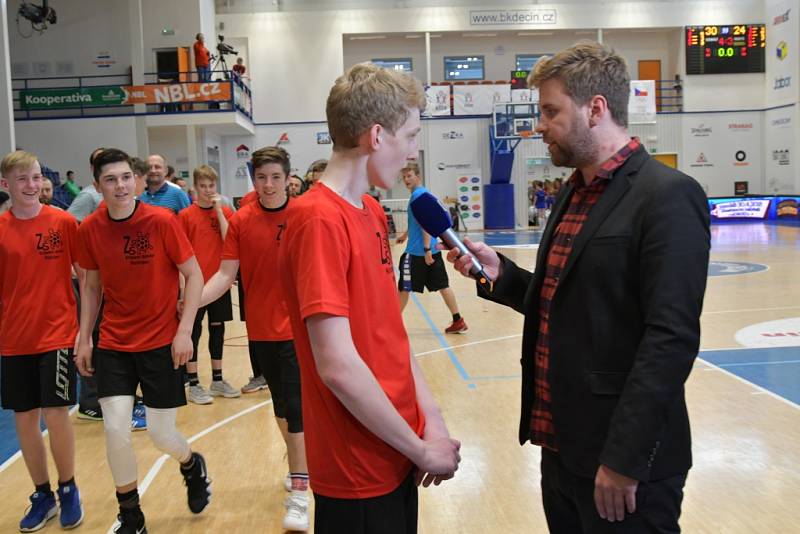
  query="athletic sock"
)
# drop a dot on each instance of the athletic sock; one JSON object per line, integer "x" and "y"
{"x": 299, "y": 481}
{"x": 128, "y": 499}
{"x": 456, "y": 317}
{"x": 186, "y": 467}
{"x": 44, "y": 488}
{"x": 67, "y": 483}
{"x": 216, "y": 375}
{"x": 193, "y": 380}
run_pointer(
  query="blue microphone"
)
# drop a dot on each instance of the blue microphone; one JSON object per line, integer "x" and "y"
{"x": 436, "y": 221}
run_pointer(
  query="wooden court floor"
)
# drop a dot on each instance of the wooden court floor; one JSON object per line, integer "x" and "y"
{"x": 746, "y": 477}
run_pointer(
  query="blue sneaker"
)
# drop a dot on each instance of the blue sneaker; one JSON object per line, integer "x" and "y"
{"x": 71, "y": 510}
{"x": 139, "y": 410}
{"x": 43, "y": 508}
{"x": 138, "y": 423}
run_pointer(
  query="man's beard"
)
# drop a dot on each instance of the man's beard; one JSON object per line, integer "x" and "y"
{"x": 153, "y": 181}
{"x": 577, "y": 149}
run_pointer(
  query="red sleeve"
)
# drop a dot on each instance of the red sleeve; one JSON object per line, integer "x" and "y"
{"x": 84, "y": 254}
{"x": 227, "y": 212}
{"x": 183, "y": 216}
{"x": 71, "y": 231}
{"x": 176, "y": 243}
{"x": 319, "y": 255}
{"x": 230, "y": 249}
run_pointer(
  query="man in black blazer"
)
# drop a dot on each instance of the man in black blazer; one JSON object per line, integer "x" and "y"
{"x": 612, "y": 310}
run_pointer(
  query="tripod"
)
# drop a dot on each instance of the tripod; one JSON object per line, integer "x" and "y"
{"x": 219, "y": 62}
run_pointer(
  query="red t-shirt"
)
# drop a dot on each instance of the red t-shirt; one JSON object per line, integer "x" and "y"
{"x": 202, "y": 228}
{"x": 254, "y": 237}
{"x": 137, "y": 258}
{"x": 201, "y": 58}
{"x": 248, "y": 198}
{"x": 36, "y": 294}
{"x": 336, "y": 260}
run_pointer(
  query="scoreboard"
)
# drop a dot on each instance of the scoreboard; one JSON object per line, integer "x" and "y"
{"x": 731, "y": 49}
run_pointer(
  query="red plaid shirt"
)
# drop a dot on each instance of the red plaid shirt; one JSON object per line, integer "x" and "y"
{"x": 584, "y": 197}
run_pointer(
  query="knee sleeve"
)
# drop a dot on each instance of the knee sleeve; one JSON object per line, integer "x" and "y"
{"x": 165, "y": 436}
{"x": 119, "y": 450}
{"x": 197, "y": 329}
{"x": 216, "y": 338}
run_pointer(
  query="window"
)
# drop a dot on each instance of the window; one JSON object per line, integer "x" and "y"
{"x": 404, "y": 63}
{"x": 527, "y": 61}
{"x": 463, "y": 68}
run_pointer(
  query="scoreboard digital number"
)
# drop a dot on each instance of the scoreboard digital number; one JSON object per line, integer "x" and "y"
{"x": 519, "y": 79}
{"x": 732, "y": 49}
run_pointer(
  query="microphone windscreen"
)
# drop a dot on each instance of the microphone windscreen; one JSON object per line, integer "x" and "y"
{"x": 431, "y": 215}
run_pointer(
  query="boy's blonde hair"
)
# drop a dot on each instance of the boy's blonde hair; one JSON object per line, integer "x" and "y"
{"x": 366, "y": 95}
{"x": 411, "y": 166}
{"x": 19, "y": 159}
{"x": 205, "y": 172}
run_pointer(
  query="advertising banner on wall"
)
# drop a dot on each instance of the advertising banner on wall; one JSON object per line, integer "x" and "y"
{"x": 438, "y": 97}
{"x": 453, "y": 146}
{"x": 479, "y": 99}
{"x": 767, "y": 207}
{"x": 783, "y": 67}
{"x": 642, "y": 102}
{"x": 720, "y": 149}
{"x": 780, "y": 140}
{"x": 469, "y": 193}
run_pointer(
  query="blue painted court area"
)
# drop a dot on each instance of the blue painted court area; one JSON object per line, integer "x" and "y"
{"x": 776, "y": 369}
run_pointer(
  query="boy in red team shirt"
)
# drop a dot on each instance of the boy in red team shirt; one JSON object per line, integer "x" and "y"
{"x": 136, "y": 251}
{"x": 38, "y": 242}
{"x": 206, "y": 224}
{"x": 374, "y": 418}
{"x": 253, "y": 241}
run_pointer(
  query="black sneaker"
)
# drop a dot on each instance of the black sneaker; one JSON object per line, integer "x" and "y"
{"x": 198, "y": 485}
{"x": 90, "y": 414}
{"x": 130, "y": 521}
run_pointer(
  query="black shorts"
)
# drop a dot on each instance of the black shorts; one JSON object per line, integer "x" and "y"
{"x": 45, "y": 380}
{"x": 219, "y": 311}
{"x": 416, "y": 275}
{"x": 240, "y": 290}
{"x": 393, "y": 513}
{"x": 278, "y": 363}
{"x": 119, "y": 373}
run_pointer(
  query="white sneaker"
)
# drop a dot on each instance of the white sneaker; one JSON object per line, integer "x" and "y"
{"x": 296, "y": 517}
{"x": 198, "y": 395}
{"x": 287, "y": 482}
{"x": 221, "y": 388}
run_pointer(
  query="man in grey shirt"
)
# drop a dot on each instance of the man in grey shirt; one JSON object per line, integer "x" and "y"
{"x": 85, "y": 203}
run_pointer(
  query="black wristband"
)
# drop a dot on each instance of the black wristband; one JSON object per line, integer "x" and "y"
{"x": 426, "y": 249}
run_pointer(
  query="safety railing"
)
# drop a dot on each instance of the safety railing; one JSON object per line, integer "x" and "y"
{"x": 115, "y": 95}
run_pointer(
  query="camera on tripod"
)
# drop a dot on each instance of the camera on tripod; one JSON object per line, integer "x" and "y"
{"x": 224, "y": 48}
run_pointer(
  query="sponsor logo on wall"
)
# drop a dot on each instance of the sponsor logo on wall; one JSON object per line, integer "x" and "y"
{"x": 782, "y": 50}
{"x": 442, "y": 166}
{"x": 701, "y": 161}
{"x": 741, "y": 159}
{"x": 702, "y": 131}
{"x": 782, "y": 82}
{"x": 780, "y": 19}
{"x": 452, "y": 134}
{"x": 323, "y": 138}
{"x": 740, "y": 126}
{"x": 781, "y": 156}
{"x": 781, "y": 122}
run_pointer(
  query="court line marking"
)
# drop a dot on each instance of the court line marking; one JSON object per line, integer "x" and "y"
{"x": 468, "y": 344}
{"x": 745, "y": 364}
{"x": 443, "y": 342}
{"x": 17, "y": 455}
{"x": 751, "y": 384}
{"x": 159, "y": 463}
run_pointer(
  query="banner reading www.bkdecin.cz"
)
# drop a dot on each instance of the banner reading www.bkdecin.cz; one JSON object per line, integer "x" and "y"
{"x": 116, "y": 95}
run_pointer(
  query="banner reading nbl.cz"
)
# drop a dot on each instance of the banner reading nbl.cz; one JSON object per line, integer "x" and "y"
{"x": 115, "y": 95}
